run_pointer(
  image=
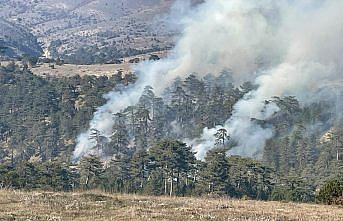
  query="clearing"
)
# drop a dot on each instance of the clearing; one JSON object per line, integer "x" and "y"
{"x": 17, "y": 205}
{"x": 68, "y": 70}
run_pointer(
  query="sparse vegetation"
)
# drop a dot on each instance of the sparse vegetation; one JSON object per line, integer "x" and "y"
{"x": 16, "y": 41}
{"x": 92, "y": 32}
{"x": 85, "y": 206}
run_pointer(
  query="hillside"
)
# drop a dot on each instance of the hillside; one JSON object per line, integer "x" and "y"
{"x": 97, "y": 206}
{"x": 15, "y": 40}
{"x": 42, "y": 117}
{"x": 224, "y": 116}
{"x": 93, "y": 31}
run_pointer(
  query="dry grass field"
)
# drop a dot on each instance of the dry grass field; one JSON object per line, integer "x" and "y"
{"x": 68, "y": 70}
{"x": 91, "y": 206}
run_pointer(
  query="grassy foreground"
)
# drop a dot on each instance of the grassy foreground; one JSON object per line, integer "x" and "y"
{"x": 90, "y": 206}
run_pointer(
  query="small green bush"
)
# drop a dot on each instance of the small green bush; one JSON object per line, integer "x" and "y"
{"x": 331, "y": 193}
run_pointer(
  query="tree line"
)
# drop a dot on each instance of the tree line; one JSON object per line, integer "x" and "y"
{"x": 170, "y": 168}
{"x": 42, "y": 116}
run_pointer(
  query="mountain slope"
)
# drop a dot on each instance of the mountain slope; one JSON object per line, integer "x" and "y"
{"x": 72, "y": 28}
{"x": 16, "y": 41}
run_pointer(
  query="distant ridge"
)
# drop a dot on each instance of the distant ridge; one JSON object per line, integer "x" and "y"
{"x": 16, "y": 41}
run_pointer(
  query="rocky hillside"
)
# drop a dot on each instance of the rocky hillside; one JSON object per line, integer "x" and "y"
{"x": 93, "y": 31}
{"x": 16, "y": 41}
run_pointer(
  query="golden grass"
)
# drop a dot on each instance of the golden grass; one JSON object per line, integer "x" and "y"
{"x": 69, "y": 70}
{"x": 91, "y": 206}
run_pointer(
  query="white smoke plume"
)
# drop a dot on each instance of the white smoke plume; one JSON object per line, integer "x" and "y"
{"x": 287, "y": 47}
{"x": 310, "y": 60}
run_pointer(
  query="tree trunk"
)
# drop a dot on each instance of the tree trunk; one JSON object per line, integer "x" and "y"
{"x": 165, "y": 186}
{"x": 171, "y": 185}
{"x": 178, "y": 181}
{"x": 12, "y": 156}
{"x": 87, "y": 180}
{"x": 165, "y": 183}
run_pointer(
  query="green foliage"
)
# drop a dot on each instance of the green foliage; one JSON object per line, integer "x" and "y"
{"x": 155, "y": 183}
{"x": 251, "y": 178}
{"x": 91, "y": 172}
{"x": 293, "y": 188}
{"x": 175, "y": 160}
{"x": 51, "y": 175}
{"x": 215, "y": 176}
{"x": 42, "y": 116}
{"x": 117, "y": 175}
{"x": 331, "y": 192}
{"x": 280, "y": 193}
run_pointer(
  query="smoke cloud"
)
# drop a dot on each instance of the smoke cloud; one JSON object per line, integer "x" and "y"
{"x": 310, "y": 61}
{"x": 286, "y": 47}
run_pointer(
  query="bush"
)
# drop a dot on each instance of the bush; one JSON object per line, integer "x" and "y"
{"x": 299, "y": 194}
{"x": 280, "y": 194}
{"x": 331, "y": 193}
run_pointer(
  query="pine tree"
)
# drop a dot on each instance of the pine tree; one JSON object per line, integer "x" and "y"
{"x": 175, "y": 159}
{"x": 99, "y": 140}
{"x": 139, "y": 170}
{"x": 215, "y": 177}
{"x": 120, "y": 138}
{"x": 91, "y": 171}
{"x": 221, "y": 137}
{"x": 118, "y": 174}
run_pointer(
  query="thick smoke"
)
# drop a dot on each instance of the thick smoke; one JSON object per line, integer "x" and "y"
{"x": 285, "y": 47}
{"x": 310, "y": 63}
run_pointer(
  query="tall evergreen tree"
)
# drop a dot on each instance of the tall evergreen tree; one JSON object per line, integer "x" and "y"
{"x": 91, "y": 171}
{"x": 215, "y": 177}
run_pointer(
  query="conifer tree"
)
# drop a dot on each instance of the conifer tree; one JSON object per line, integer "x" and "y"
{"x": 91, "y": 171}
{"x": 215, "y": 177}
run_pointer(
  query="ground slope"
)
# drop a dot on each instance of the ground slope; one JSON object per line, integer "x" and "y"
{"x": 82, "y": 29}
{"x": 97, "y": 206}
{"x": 15, "y": 40}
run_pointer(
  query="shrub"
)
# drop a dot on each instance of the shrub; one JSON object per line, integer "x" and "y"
{"x": 331, "y": 193}
{"x": 299, "y": 194}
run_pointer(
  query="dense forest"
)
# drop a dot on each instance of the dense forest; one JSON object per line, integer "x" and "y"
{"x": 40, "y": 118}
